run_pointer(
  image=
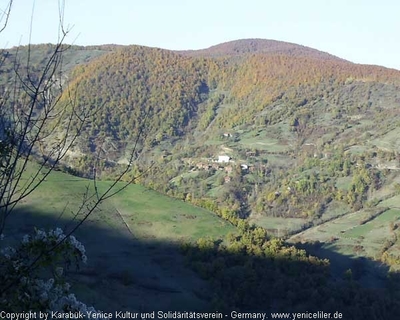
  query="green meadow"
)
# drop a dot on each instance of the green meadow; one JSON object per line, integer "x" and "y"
{"x": 132, "y": 242}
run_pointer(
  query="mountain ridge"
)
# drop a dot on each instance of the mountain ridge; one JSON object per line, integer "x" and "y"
{"x": 233, "y": 48}
{"x": 257, "y": 45}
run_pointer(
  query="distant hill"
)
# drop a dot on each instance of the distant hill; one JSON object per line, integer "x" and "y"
{"x": 255, "y": 46}
{"x": 39, "y": 54}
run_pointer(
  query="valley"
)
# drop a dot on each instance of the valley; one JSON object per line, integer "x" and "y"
{"x": 257, "y": 164}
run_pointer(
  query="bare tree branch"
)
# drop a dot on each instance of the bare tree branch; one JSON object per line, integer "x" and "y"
{"x": 36, "y": 108}
{"x": 5, "y": 15}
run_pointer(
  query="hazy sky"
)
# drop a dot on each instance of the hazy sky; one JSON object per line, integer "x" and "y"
{"x": 362, "y": 31}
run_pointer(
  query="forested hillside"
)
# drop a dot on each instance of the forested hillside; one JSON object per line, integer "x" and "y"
{"x": 288, "y": 116}
{"x": 267, "y": 47}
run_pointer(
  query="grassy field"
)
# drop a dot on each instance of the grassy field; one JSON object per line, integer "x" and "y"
{"x": 132, "y": 242}
{"x": 349, "y": 233}
{"x": 146, "y": 212}
{"x": 278, "y": 226}
{"x": 389, "y": 141}
{"x": 151, "y": 215}
{"x": 391, "y": 202}
{"x": 347, "y": 240}
{"x": 263, "y": 140}
{"x": 355, "y": 235}
{"x": 344, "y": 183}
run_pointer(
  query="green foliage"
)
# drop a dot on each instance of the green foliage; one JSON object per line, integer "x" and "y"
{"x": 252, "y": 270}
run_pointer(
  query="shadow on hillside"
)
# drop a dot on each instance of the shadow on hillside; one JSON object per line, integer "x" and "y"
{"x": 123, "y": 273}
{"x": 128, "y": 274}
{"x": 369, "y": 273}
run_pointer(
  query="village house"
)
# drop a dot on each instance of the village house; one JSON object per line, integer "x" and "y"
{"x": 224, "y": 159}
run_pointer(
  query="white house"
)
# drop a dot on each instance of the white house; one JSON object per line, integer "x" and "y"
{"x": 222, "y": 159}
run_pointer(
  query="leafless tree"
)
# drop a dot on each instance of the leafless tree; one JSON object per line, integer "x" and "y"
{"x": 34, "y": 105}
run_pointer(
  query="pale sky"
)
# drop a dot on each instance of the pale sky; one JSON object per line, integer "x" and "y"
{"x": 362, "y": 31}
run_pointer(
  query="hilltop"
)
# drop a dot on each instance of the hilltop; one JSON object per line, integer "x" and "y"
{"x": 256, "y": 46}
